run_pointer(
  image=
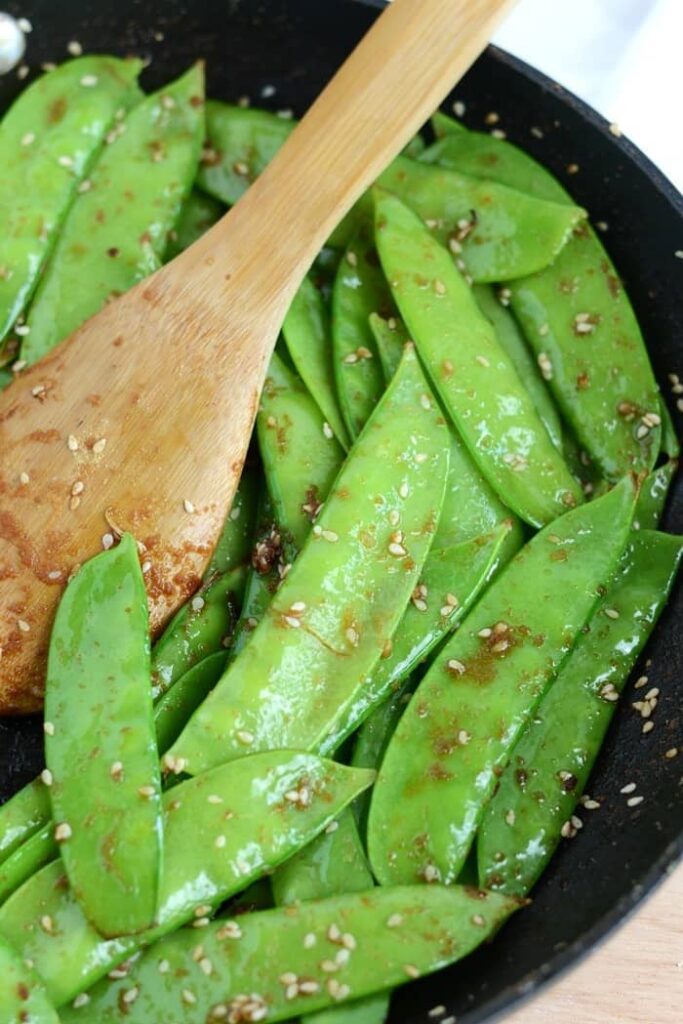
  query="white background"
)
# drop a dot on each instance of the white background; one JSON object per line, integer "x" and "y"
{"x": 624, "y": 57}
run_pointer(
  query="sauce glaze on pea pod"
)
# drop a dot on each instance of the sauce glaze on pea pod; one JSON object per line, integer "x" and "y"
{"x": 308, "y": 337}
{"x": 554, "y": 757}
{"x": 240, "y": 141}
{"x": 100, "y": 744}
{"x": 23, "y": 999}
{"x": 441, "y": 766}
{"x": 359, "y": 290}
{"x": 578, "y": 319}
{"x": 48, "y": 140}
{"x": 300, "y": 454}
{"x": 338, "y": 607}
{"x": 223, "y": 829}
{"x": 174, "y": 709}
{"x": 495, "y": 230}
{"x": 110, "y": 240}
{"x": 22, "y": 815}
{"x": 36, "y": 851}
{"x": 474, "y": 376}
{"x": 390, "y": 935}
{"x": 653, "y": 494}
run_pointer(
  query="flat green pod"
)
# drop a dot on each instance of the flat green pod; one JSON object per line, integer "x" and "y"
{"x": 199, "y": 213}
{"x": 23, "y": 999}
{"x": 308, "y": 337}
{"x": 359, "y": 290}
{"x": 100, "y": 744}
{"x": 36, "y": 851}
{"x": 552, "y": 761}
{"x": 654, "y": 491}
{"x": 337, "y": 608}
{"x": 495, "y": 230}
{"x": 300, "y": 453}
{"x": 475, "y": 377}
{"x": 173, "y": 710}
{"x": 443, "y": 761}
{"x": 22, "y": 815}
{"x": 117, "y": 230}
{"x": 234, "y": 544}
{"x": 48, "y": 140}
{"x": 223, "y": 830}
{"x": 240, "y": 142}
{"x": 391, "y": 936}
{"x": 578, "y": 319}
{"x": 390, "y": 336}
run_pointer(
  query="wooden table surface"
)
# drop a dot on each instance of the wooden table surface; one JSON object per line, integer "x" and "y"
{"x": 635, "y": 977}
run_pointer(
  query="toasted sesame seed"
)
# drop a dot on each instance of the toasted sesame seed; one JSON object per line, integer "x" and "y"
{"x": 589, "y": 804}
{"x": 24, "y": 478}
{"x": 65, "y": 161}
{"x": 611, "y": 613}
{"x": 411, "y": 970}
{"x": 437, "y": 1011}
{"x": 628, "y": 788}
{"x": 327, "y": 431}
{"x": 188, "y": 506}
{"x": 478, "y": 920}
{"x": 146, "y": 792}
{"x": 309, "y": 987}
{"x": 352, "y": 636}
{"x": 671, "y": 753}
{"x": 652, "y": 693}
{"x": 431, "y": 873}
{"x": 46, "y": 777}
{"x": 23, "y": 626}
{"x": 458, "y": 108}
{"x": 197, "y": 603}
{"x": 404, "y": 490}
{"x": 453, "y": 665}
{"x": 81, "y": 1000}
{"x": 329, "y": 966}
{"x": 63, "y": 832}
{"x": 107, "y": 541}
{"x": 634, "y": 801}
{"x": 230, "y": 930}
{"x": 648, "y": 726}
{"x": 332, "y": 827}
{"x": 615, "y": 129}
{"x": 48, "y": 728}
{"x": 84, "y": 186}
{"x": 28, "y": 138}
{"x": 47, "y": 924}
{"x": 483, "y": 361}
{"x": 330, "y": 536}
{"x": 244, "y": 736}
{"x": 397, "y": 549}
{"x": 510, "y": 817}
{"x": 343, "y": 956}
{"x": 99, "y": 445}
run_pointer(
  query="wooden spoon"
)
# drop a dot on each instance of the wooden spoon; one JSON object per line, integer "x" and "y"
{"x": 160, "y": 389}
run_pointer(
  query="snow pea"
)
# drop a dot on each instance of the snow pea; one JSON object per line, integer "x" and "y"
{"x": 224, "y": 829}
{"x": 653, "y": 495}
{"x": 300, "y": 454}
{"x": 234, "y": 544}
{"x": 101, "y": 742}
{"x": 36, "y": 851}
{"x": 199, "y": 213}
{"x": 22, "y": 815}
{"x": 335, "y": 611}
{"x": 372, "y": 740}
{"x": 443, "y": 124}
{"x": 494, "y": 230}
{"x": 173, "y": 710}
{"x": 359, "y": 290}
{"x": 240, "y": 141}
{"x": 331, "y": 865}
{"x": 390, "y": 935}
{"x": 510, "y": 338}
{"x": 670, "y": 444}
{"x": 48, "y": 140}
{"x": 308, "y": 337}
{"x": 577, "y": 317}
{"x": 265, "y": 573}
{"x": 390, "y": 337}
{"x": 441, "y": 766}
{"x": 201, "y": 627}
{"x": 22, "y": 994}
{"x": 473, "y": 374}
{"x": 554, "y": 757}
{"x": 117, "y": 231}
{"x": 451, "y": 581}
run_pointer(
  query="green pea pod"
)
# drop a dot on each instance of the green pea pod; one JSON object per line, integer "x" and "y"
{"x": 442, "y": 125}
{"x": 199, "y": 213}
{"x": 38, "y": 850}
{"x": 332, "y": 864}
{"x": 240, "y": 142}
{"x": 441, "y": 766}
{"x": 451, "y": 581}
{"x": 372, "y": 740}
{"x": 48, "y": 141}
{"x": 392, "y": 935}
{"x": 494, "y": 229}
{"x": 321, "y": 636}
{"x": 234, "y": 544}
{"x": 324, "y": 271}
{"x": 264, "y": 576}
{"x": 173, "y": 710}
{"x": 307, "y": 334}
{"x": 223, "y": 830}
{"x": 22, "y": 994}
{"x": 116, "y": 233}
{"x": 22, "y": 815}
{"x": 653, "y": 495}
{"x": 359, "y": 290}
{"x": 201, "y": 627}
{"x": 510, "y": 338}
{"x": 554, "y": 757}
{"x": 390, "y": 337}
{"x": 101, "y": 750}
{"x": 578, "y": 319}
{"x": 301, "y": 456}
{"x": 670, "y": 443}
{"x": 413, "y": 148}
{"x": 473, "y": 374}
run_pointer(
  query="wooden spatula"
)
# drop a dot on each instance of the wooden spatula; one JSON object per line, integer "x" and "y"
{"x": 140, "y": 420}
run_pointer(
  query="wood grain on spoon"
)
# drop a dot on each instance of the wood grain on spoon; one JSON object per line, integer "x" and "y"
{"x": 160, "y": 389}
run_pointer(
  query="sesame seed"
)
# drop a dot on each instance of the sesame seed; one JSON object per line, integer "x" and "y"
{"x": 84, "y": 186}
{"x": 439, "y": 287}
{"x": 116, "y": 771}
{"x": 329, "y": 966}
{"x": 397, "y": 549}
{"x": 206, "y": 966}
{"x": 188, "y": 506}
{"x": 590, "y": 805}
{"x": 455, "y": 666}
{"x": 492, "y": 118}
{"x": 510, "y": 818}
{"x": 245, "y": 737}
{"x": 47, "y": 924}
{"x": 628, "y": 788}
{"x": 483, "y": 361}
{"x": 72, "y": 443}
{"x": 19, "y": 364}
{"x": 545, "y": 366}
{"x": 28, "y": 138}
{"x": 309, "y": 987}
{"x": 201, "y": 922}
{"x": 46, "y": 777}
{"x": 188, "y": 997}
{"x": 99, "y": 446}
{"x": 146, "y": 792}
{"x": 437, "y": 1011}
{"x": 174, "y": 764}
{"x": 332, "y": 827}
{"x": 654, "y": 692}
{"x": 146, "y": 566}
{"x": 478, "y": 920}
{"x": 576, "y": 822}
{"x": 671, "y": 753}
{"x": 24, "y": 478}
{"x": 648, "y": 727}
{"x": 425, "y": 401}
{"x": 642, "y": 431}
{"x": 197, "y": 603}
{"x": 352, "y": 636}
{"x": 634, "y": 801}
{"x": 343, "y": 956}
{"x": 611, "y": 613}
{"x": 23, "y": 626}
{"x": 348, "y": 941}
{"x": 459, "y": 108}
{"x": 404, "y": 490}
{"x": 164, "y": 967}
{"x": 615, "y": 129}
{"x": 107, "y": 541}
{"x": 220, "y": 842}
{"x": 74, "y": 48}
{"x": 81, "y": 1000}
{"x": 78, "y": 488}
{"x": 230, "y": 930}
{"x": 500, "y": 647}
{"x": 567, "y": 831}
{"x": 168, "y": 103}
{"x": 330, "y": 536}
{"x": 25, "y": 25}
{"x": 536, "y": 132}
{"x": 431, "y": 873}
{"x": 48, "y": 728}
{"x": 63, "y": 832}
{"x": 411, "y": 970}
{"x": 641, "y": 682}
{"x": 351, "y": 258}
{"x": 89, "y": 81}
{"x": 394, "y": 517}
{"x": 65, "y": 161}
{"x": 327, "y": 431}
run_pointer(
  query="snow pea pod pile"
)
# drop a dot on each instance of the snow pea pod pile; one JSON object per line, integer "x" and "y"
{"x": 371, "y": 723}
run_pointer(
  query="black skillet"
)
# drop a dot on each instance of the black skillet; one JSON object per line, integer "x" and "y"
{"x": 296, "y": 45}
